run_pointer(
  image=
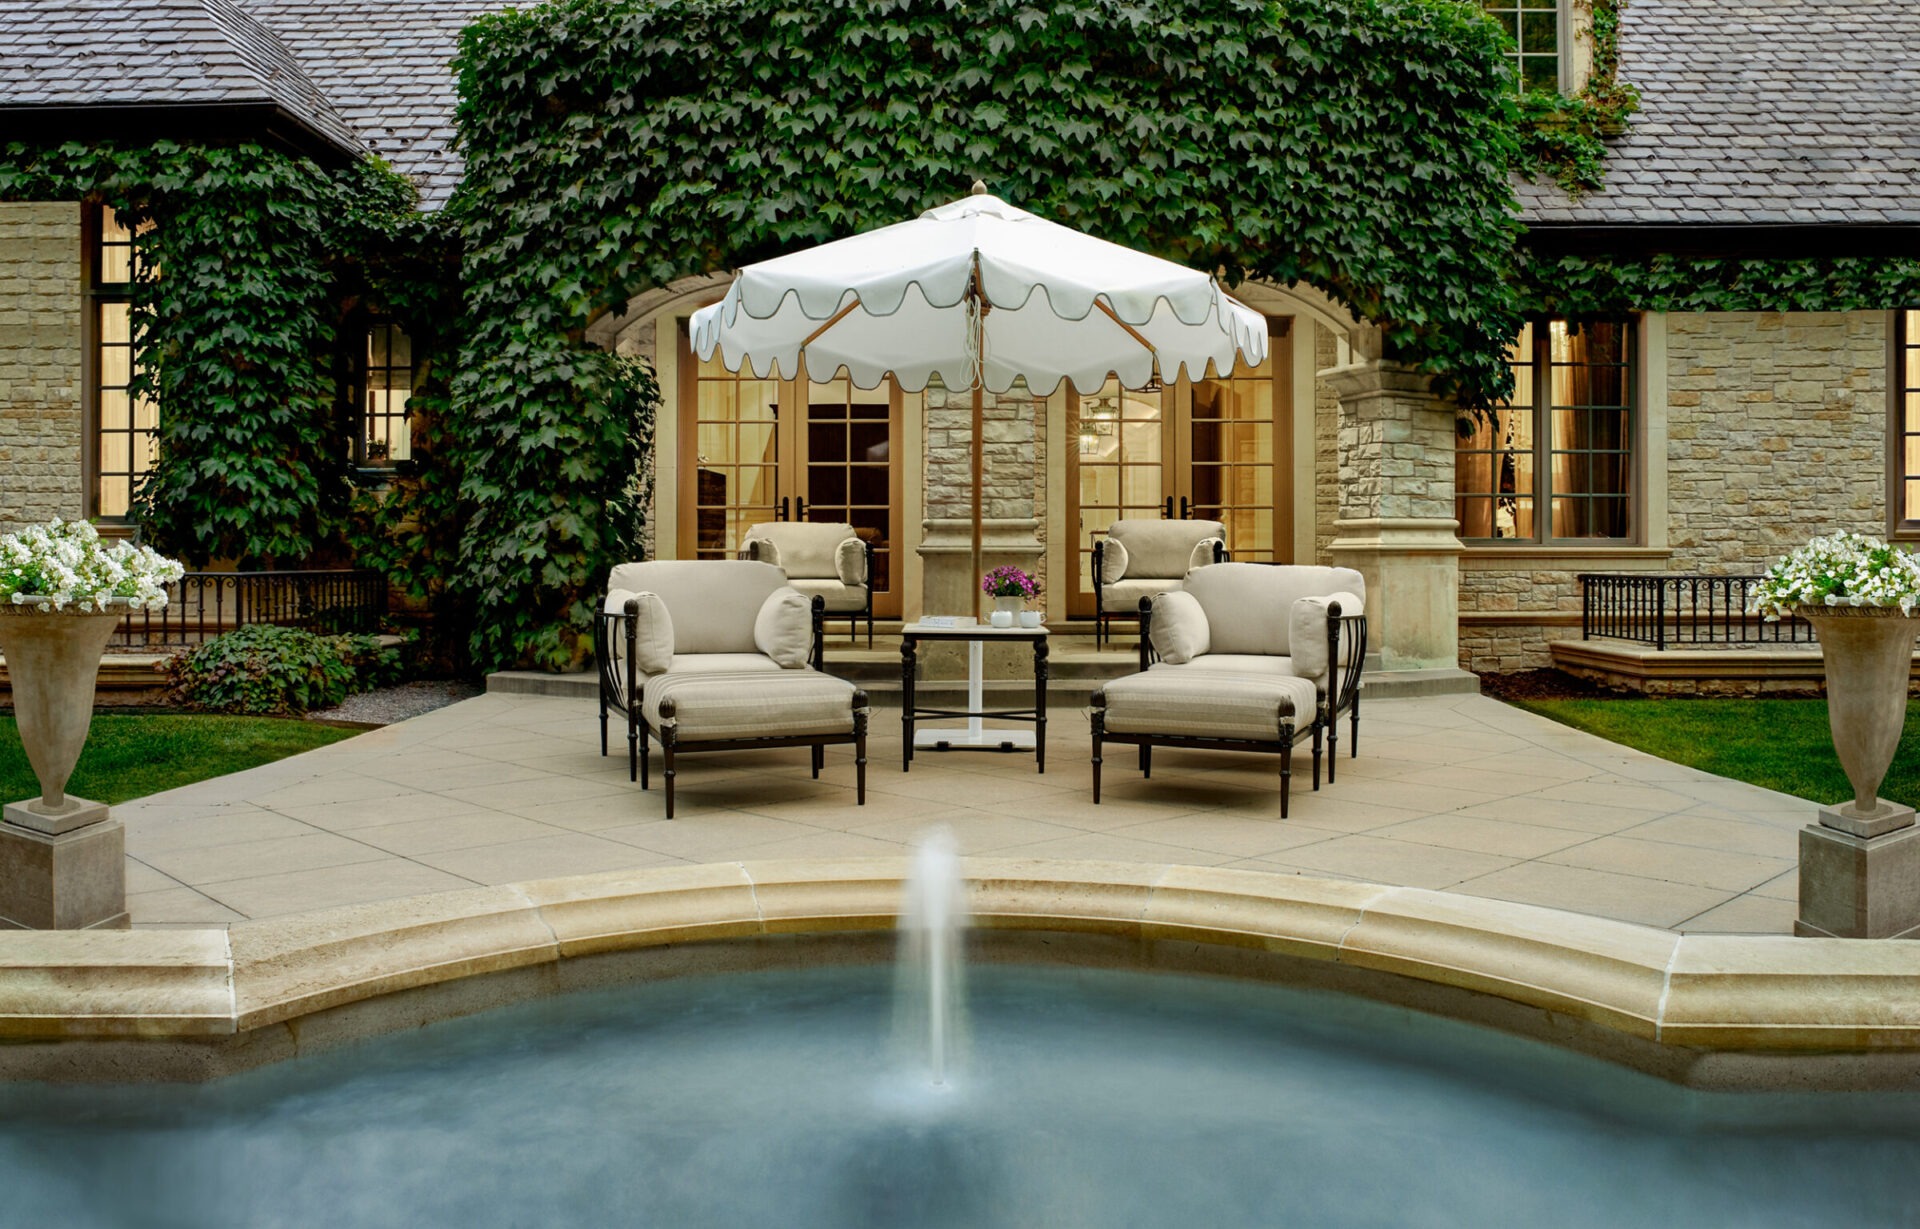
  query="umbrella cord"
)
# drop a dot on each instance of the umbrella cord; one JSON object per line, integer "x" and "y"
{"x": 976, "y": 345}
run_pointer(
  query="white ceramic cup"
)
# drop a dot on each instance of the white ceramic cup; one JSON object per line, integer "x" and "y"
{"x": 1029, "y": 618}
{"x": 1000, "y": 618}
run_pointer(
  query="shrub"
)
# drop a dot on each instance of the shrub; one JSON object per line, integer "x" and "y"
{"x": 266, "y": 669}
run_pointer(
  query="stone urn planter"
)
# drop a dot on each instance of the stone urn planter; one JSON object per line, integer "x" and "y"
{"x": 62, "y": 860}
{"x": 62, "y": 591}
{"x": 53, "y": 660}
{"x": 1868, "y": 652}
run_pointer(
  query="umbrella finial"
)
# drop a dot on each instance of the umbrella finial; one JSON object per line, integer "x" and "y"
{"x": 979, "y": 189}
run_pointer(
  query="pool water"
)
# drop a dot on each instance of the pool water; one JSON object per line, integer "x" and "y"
{"x": 1087, "y": 1099}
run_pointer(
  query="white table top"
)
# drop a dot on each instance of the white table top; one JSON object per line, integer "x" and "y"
{"x": 969, "y": 628}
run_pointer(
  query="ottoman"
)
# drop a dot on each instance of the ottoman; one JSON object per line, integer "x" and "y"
{"x": 1178, "y": 706}
{"x": 706, "y": 711}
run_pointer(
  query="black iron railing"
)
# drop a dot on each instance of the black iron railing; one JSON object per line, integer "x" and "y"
{"x": 1664, "y": 609}
{"x": 201, "y": 605}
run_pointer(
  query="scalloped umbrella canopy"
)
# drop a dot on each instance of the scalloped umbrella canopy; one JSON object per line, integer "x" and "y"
{"x": 907, "y": 300}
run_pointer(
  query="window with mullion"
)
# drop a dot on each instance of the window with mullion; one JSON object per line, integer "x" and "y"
{"x": 1905, "y": 456}
{"x": 125, "y": 426}
{"x": 1533, "y": 28}
{"x": 1562, "y": 445}
{"x": 383, "y": 389}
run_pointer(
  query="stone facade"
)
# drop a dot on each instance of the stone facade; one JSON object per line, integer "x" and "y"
{"x": 1326, "y": 447}
{"x": 40, "y": 363}
{"x": 1777, "y": 431}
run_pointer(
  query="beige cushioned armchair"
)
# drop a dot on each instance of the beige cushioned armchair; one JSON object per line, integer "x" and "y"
{"x": 1245, "y": 657}
{"x": 821, "y": 559}
{"x": 714, "y": 654}
{"x": 1142, "y": 558}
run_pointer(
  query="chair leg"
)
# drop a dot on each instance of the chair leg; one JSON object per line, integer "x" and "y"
{"x": 819, "y": 759}
{"x": 1099, "y": 728}
{"x": 1286, "y": 762}
{"x": 1146, "y": 760}
{"x": 666, "y": 750}
{"x": 1316, "y": 760}
{"x": 636, "y": 753}
{"x": 860, "y": 753}
{"x": 642, "y": 755}
{"x": 1333, "y": 746}
{"x": 603, "y": 723}
{"x": 1353, "y": 741}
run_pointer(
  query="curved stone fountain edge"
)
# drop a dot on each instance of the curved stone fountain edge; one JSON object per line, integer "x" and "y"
{"x": 1711, "y": 1010}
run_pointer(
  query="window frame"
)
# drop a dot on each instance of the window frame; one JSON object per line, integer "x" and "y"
{"x": 1542, "y": 410}
{"x": 1903, "y": 337}
{"x": 97, "y": 294}
{"x": 356, "y": 387}
{"x": 1566, "y": 33}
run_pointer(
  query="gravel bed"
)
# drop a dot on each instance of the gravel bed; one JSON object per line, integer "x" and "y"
{"x": 391, "y": 704}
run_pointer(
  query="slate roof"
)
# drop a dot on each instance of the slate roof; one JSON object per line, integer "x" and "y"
{"x": 1761, "y": 111}
{"x": 385, "y": 65}
{"x": 1752, "y": 111}
{"x": 112, "y": 53}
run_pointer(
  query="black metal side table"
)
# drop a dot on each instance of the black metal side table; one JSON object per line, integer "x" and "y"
{"x": 974, "y": 736}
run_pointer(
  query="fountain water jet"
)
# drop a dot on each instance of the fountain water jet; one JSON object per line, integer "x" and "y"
{"x": 930, "y": 985}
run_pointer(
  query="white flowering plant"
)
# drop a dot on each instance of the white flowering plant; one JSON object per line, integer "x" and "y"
{"x": 64, "y": 563}
{"x": 1841, "y": 569}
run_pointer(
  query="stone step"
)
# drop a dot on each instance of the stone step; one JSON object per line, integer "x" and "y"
{"x": 1063, "y": 688}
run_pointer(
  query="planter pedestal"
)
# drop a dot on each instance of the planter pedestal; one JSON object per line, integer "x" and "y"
{"x": 1860, "y": 865}
{"x": 62, "y": 861}
{"x": 75, "y": 879}
{"x": 1855, "y": 887}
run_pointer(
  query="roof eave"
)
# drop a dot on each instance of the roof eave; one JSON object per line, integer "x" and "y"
{"x": 268, "y": 122}
{"x": 1717, "y": 240}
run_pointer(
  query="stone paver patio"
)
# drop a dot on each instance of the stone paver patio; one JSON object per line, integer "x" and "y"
{"x": 1460, "y": 793}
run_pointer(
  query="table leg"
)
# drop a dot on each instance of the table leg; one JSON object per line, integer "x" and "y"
{"x": 976, "y": 690}
{"x": 908, "y": 652}
{"x": 1040, "y": 672}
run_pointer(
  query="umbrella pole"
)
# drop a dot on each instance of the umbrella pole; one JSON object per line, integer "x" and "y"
{"x": 979, "y": 468}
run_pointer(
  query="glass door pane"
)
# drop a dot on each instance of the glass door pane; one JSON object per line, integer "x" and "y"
{"x": 849, "y": 466}
{"x": 736, "y": 457}
{"x": 1120, "y": 442}
{"x": 1233, "y": 465}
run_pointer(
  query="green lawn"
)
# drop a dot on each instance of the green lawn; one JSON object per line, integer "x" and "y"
{"x": 131, "y": 756}
{"x": 1781, "y": 744}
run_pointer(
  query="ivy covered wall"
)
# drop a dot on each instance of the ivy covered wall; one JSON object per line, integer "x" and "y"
{"x": 1359, "y": 145}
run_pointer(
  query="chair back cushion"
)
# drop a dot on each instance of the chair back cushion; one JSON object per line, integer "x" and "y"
{"x": 783, "y": 629}
{"x": 713, "y": 602}
{"x": 850, "y": 560}
{"x": 808, "y": 550}
{"x": 652, "y": 630}
{"x": 1161, "y": 550}
{"x": 1179, "y": 630}
{"x": 1249, "y": 605}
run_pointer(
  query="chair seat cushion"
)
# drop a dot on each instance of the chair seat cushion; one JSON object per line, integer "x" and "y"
{"x": 722, "y": 663}
{"x": 1181, "y": 700}
{"x": 1244, "y": 663}
{"x": 1124, "y": 596}
{"x": 786, "y": 703}
{"x": 840, "y": 597}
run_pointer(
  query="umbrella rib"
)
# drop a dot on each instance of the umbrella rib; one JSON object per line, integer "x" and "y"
{"x": 832, "y": 320}
{"x": 1131, "y": 331}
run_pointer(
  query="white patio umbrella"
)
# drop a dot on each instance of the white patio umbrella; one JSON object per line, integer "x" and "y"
{"x": 981, "y": 295}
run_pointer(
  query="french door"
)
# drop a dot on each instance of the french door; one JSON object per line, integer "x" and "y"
{"x": 774, "y": 450}
{"x": 1217, "y": 450}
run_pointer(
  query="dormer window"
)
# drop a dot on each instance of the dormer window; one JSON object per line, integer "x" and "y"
{"x": 1534, "y": 28}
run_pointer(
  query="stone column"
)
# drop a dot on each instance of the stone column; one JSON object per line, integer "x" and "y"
{"x": 1396, "y": 524}
{"x": 1010, "y": 530}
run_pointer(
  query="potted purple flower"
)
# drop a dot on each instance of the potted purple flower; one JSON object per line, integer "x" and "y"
{"x": 1011, "y": 589}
